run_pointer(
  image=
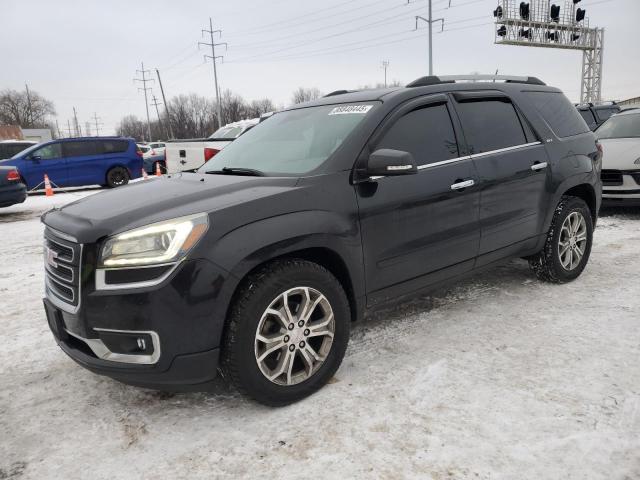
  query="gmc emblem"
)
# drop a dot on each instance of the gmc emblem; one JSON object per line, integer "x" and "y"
{"x": 50, "y": 257}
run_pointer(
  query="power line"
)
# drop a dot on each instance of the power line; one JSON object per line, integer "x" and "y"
{"x": 97, "y": 123}
{"x": 144, "y": 88}
{"x": 214, "y": 59}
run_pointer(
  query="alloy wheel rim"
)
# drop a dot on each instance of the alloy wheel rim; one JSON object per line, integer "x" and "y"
{"x": 573, "y": 241}
{"x": 294, "y": 336}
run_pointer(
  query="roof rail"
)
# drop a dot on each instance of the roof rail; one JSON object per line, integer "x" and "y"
{"x": 437, "y": 80}
{"x": 338, "y": 92}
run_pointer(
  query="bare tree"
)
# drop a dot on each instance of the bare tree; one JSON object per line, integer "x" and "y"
{"x": 305, "y": 94}
{"x": 259, "y": 107}
{"x": 26, "y": 110}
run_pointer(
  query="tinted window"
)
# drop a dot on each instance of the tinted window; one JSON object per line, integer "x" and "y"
{"x": 48, "y": 152}
{"x": 8, "y": 150}
{"x": 620, "y": 126}
{"x": 426, "y": 133}
{"x": 604, "y": 113}
{"x": 113, "y": 146}
{"x": 556, "y": 109}
{"x": 80, "y": 149}
{"x": 587, "y": 116}
{"x": 490, "y": 125}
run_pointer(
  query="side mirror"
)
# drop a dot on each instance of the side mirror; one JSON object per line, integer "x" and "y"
{"x": 35, "y": 158}
{"x": 386, "y": 162}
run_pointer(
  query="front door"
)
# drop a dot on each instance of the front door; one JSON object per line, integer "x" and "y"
{"x": 415, "y": 226}
{"x": 46, "y": 159}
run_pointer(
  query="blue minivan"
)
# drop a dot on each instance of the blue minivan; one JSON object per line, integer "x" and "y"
{"x": 73, "y": 162}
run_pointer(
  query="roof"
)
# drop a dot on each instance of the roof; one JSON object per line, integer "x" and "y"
{"x": 428, "y": 85}
{"x": 8, "y": 132}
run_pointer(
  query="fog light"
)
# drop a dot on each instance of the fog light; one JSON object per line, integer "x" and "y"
{"x": 133, "y": 343}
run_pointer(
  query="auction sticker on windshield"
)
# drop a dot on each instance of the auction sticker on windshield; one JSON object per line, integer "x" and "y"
{"x": 346, "y": 109}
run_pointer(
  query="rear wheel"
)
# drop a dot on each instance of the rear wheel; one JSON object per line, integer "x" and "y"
{"x": 287, "y": 332}
{"x": 568, "y": 245}
{"x": 117, "y": 176}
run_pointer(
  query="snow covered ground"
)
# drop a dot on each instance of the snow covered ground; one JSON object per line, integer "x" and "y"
{"x": 498, "y": 377}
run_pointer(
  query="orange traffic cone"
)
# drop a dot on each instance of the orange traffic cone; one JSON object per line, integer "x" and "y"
{"x": 144, "y": 174}
{"x": 47, "y": 186}
{"x": 158, "y": 172}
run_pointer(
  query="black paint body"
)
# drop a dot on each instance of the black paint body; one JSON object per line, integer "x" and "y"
{"x": 382, "y": 238}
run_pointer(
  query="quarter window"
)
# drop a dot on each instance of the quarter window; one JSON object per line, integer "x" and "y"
{"x": 113, "y": 146}
{"x": 426, "y": 133}
{"x": 587, "y": 116}
{"x": 490, "y": 125}
{"x": 561, "y": 116}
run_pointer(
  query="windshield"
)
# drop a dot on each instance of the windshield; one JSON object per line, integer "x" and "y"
{"x": 227, "y": 132}
{"x": 620, "y": 126}
{"x": 291, "y": 142}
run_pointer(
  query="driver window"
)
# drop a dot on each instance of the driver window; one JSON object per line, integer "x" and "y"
{"x": 48, "y": 152}
{"x": 427, "y": 133}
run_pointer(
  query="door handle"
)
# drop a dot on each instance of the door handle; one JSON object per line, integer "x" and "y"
{"x": 461, "y": 185}
{"x": 538, "y": 166}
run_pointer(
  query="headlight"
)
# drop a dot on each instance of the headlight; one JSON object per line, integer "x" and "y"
{"x": 637, "y": 162}
{"x": 158, "y": 243}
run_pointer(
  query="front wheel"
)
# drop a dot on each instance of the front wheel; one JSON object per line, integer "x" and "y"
{"x": 287, "y": 332}
{"x": 568, "y": 245}
{"x": 117, "y": 176}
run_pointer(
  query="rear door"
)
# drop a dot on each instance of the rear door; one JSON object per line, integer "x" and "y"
{"x": 416, "y": 225}
{"x": 84, "y": 162}
{"x": 512, "y": 166}
{"x": 49, "y": 160}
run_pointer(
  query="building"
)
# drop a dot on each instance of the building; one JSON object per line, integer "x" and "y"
{"x": 37, "y": 134}
{"x": 630, "y": 103}
{"x": 10, "y": 132}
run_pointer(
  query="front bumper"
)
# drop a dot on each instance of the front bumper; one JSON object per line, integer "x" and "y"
{"x": 12, "y": 194}
{"x": 626, "y": 192}
{"x": 177, "y": 323}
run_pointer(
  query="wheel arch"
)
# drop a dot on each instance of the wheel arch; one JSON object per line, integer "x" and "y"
{"x": 587, "y": 193}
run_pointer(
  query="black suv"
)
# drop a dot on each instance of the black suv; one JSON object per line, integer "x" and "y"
{"x": 258, "y": 263}
{"x": 596, "y": 115}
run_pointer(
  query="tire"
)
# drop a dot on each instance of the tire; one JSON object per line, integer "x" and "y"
{"x": 550, "y": 265}
{"x": 248, "y": 317}
{"x": 117, "y": 177}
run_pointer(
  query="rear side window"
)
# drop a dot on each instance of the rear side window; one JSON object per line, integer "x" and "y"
{"x": 558, "y": 112}
{"x": 587, "y": 116}
{"x": 426, "y": 133}
{"x": 8, "y": 150}
{"x": 490, "y": 125}
{"x": 80, "y": 149}
{"x": 113, "y": 146}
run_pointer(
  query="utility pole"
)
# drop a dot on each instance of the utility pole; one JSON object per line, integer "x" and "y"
{"x": 87, "y": 129}
{"x": 144, "y": 88}
{"x": 385, "y": 65}
{"x": 97, "y": 123}
{"x": 76, "y": 125}
{"x": 213, "y": 58}
{"x": 166, "y": 106}
{"x": 430, "y": 21}
{"x": 155, "y": 104}
{"x": 68, "y": 128}
{"x": 29, "y": 111}
{"x": 58, "y": 129}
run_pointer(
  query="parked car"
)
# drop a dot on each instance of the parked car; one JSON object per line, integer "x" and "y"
{"x": 9, "y": 148}
{"x": 596, "y": 115}
{"x": 259, "y": 262}
{"x": 181, "y": 155}
{"x": 12, "y": 190}
{"x": 620, "y": 139}
{"x": 72, "y": 162}
{"x": 154, "y": 156}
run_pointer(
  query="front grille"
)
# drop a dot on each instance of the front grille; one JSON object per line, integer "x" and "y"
{"x": 62, "y": 268}
{"x": 636, "y": 177}
{"x": 611, "y": 178}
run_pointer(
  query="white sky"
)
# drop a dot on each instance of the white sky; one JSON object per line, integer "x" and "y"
{"x": 85, "y": 53}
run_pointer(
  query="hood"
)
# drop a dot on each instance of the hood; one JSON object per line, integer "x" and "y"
{"x": 620, "y": 153}
{"x": 145, "y": 202}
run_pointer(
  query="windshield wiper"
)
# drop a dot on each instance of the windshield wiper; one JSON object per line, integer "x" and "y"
{"x": 249, "y": 172}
